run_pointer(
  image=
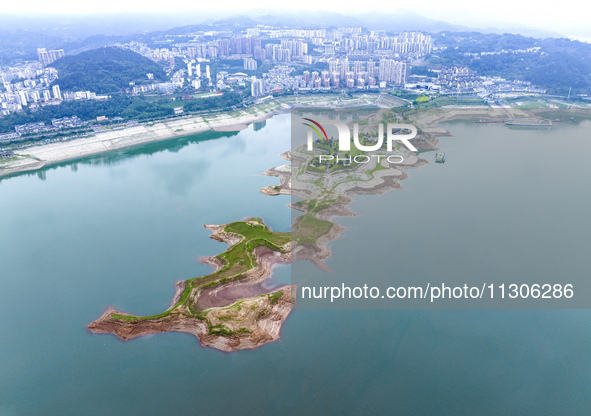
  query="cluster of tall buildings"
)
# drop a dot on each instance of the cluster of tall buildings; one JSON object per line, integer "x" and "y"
{"x": 297, "y": 33}
{"x": 27, "y": 86}
{"x": 284, "y": 51}
{"x": 376, "y": 57}
{"x": 202, "y": 51}
{"x": 410, "y": 43}
{"x": 47, "y": 57}
{"x": 343, "y": 73}
{"x": 194, "y": 70}
{"x": 244, "y": 45}
{"x": 254, "y": 31}
{"x": 317, "y": 79}
{"x": 32, "y": 94}
{"x": 235, "y": 46}
{"x": 296, "y": 47}
{"x": 392, "y": 71}
{"x": 238, "y": 45}
{"x": 221, "y": 48}
{"x": 23, "y": 97}
{"x": 194, "y": 75}
{"x": 355, "y": 60}
{"x": 277, "y": 53}
{"x": 340, "y": 74}
{"x": 407, "y": 44}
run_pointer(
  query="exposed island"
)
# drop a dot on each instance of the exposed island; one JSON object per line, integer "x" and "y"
{"x": 228, "y": 309}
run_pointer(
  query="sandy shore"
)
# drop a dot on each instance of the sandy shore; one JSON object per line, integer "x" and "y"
{"x": 36, "y": 157}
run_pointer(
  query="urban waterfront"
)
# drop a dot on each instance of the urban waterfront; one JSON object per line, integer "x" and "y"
{"x": 119, "y": 229}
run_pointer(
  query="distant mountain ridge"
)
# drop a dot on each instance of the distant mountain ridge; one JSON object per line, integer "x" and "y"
{"x": 20, "y": 36}
{"x": 402, "y": 20}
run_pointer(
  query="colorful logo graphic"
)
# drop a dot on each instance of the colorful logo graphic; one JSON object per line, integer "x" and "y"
{"x": 315, "y": 129}
{"x": 391, "y": 132}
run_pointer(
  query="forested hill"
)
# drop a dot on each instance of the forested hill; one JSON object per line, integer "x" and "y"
{"x": 105, "y": 70}
{"x": 556, "y": 64}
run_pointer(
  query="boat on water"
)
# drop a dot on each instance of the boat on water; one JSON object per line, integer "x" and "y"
{"x": 440, "y": 157}
{"x": 489, "y": 121}
{"x": 528, "y": 123}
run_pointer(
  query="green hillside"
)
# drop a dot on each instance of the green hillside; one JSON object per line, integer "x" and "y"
{"x": 557, "y": 65}
{"x": 105, "y": 70}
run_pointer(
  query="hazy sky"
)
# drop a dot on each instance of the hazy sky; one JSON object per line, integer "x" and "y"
{"x": 569, "y": 17}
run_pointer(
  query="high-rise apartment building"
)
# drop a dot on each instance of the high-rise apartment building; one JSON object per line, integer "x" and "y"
{"x": 56, "y": 92}
{"x": 46, "y": 58}
{"x": 257, "y": 88}
{"x": 250, "y": 64}
{"x": 392, "y": 71}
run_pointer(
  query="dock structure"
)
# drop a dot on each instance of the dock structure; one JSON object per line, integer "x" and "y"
{"x": 523, "y": 122}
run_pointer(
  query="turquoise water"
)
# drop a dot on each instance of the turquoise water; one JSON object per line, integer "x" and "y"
{"x": 120, "y": 229}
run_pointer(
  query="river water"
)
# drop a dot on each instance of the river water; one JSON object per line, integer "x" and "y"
{"x": 119, "y": 229}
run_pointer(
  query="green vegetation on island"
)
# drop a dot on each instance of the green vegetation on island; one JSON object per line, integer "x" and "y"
{"x": 309, "y": 228}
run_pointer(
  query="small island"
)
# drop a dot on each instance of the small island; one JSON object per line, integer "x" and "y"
{"x": 228, "y": 309}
